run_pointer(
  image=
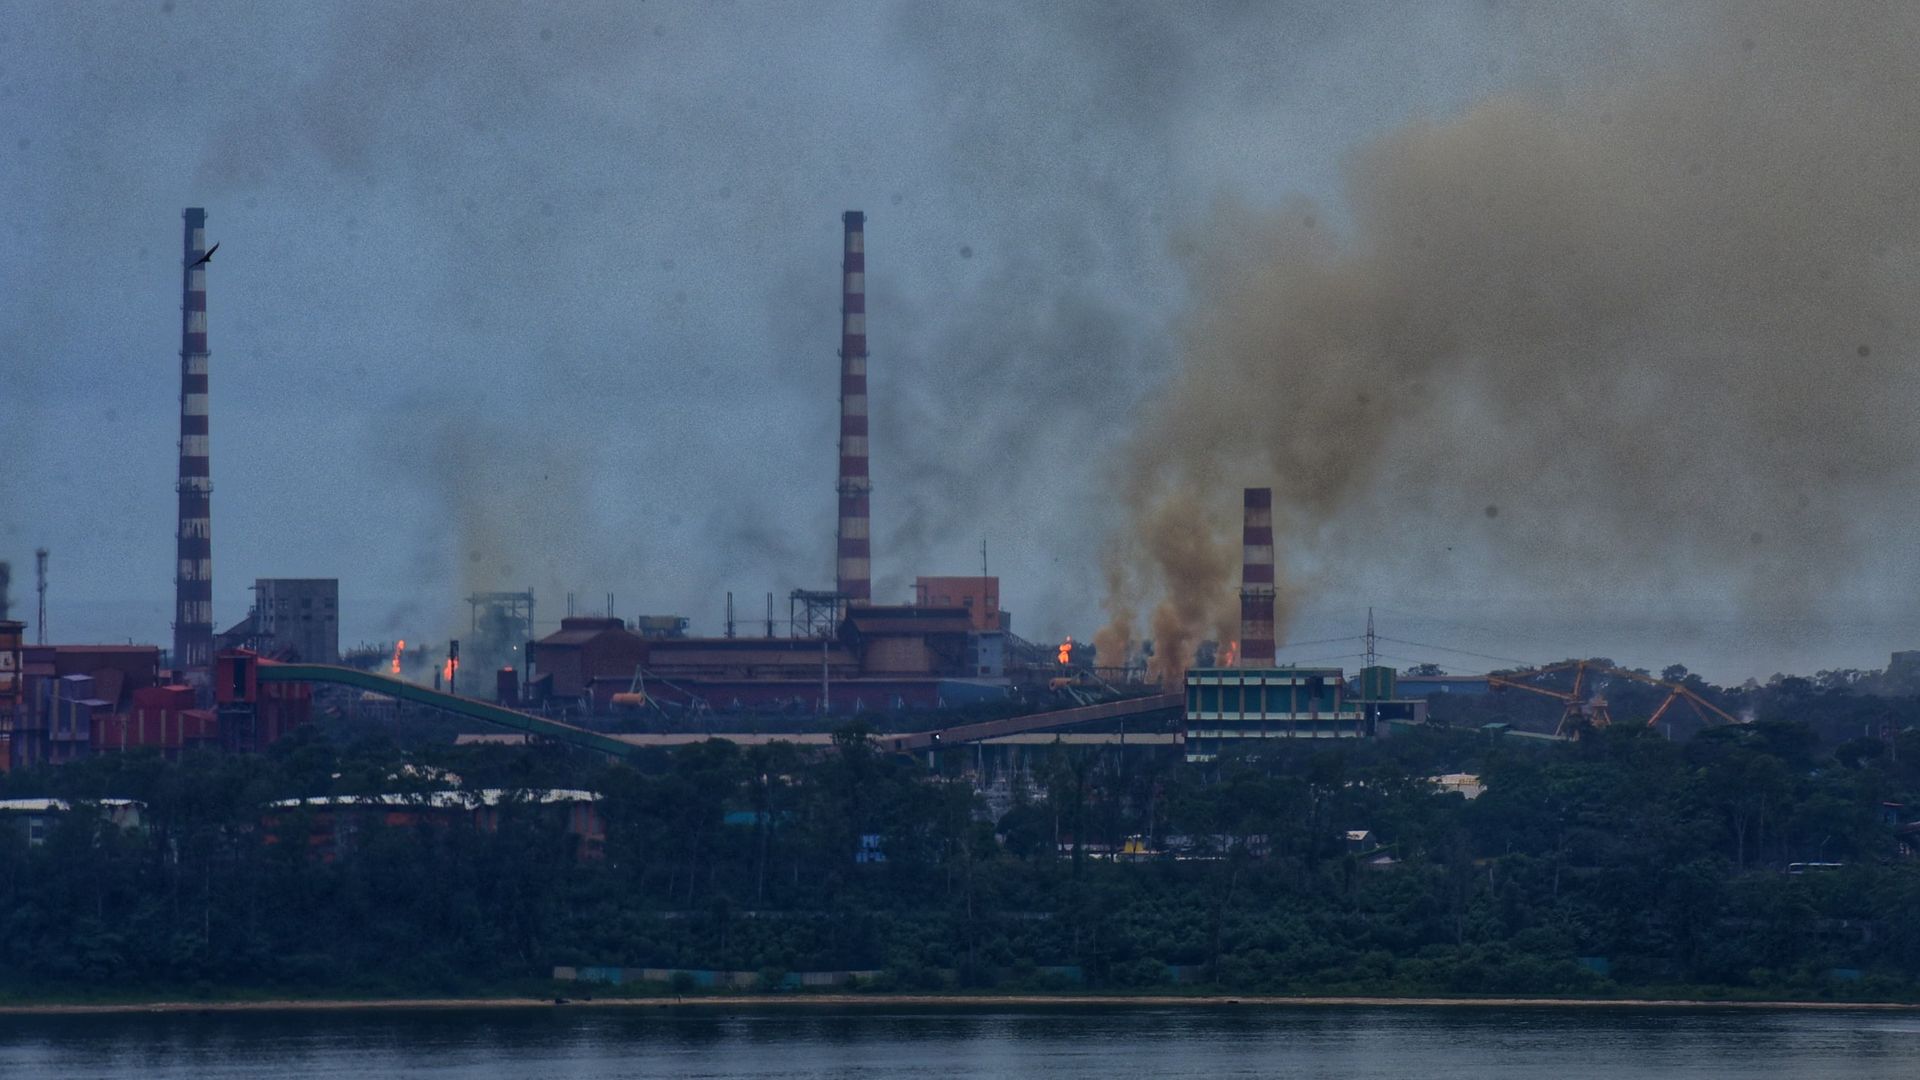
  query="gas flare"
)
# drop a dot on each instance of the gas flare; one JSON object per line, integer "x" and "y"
{"x": 399, "y": 649}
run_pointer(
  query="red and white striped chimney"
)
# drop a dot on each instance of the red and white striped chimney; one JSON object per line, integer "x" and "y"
{"x": 193, "y": 583}
{"x": 855, "y": 552}
{"x": 1256, "y": 580}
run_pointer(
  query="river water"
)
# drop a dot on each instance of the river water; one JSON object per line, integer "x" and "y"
{"x": 928, "y": 1043}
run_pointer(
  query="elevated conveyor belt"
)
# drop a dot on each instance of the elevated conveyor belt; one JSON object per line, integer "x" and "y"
{"x": 472, "y": 708}
{"x": 1124, "y": 709}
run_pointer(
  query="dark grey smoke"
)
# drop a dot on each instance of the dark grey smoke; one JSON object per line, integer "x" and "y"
{"x": 458, "y": 245}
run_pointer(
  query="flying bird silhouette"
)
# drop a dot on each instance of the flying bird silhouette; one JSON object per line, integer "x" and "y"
{"x": 208, "y": 257}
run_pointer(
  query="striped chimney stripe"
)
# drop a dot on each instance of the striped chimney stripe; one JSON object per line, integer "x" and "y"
{"x": 853, "y": 552}
{"x": 193, "y": 570}
{"x": 1256, "y": 580}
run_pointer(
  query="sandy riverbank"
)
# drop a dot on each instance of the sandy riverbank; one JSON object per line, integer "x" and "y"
{"x": 963, "y": 1001}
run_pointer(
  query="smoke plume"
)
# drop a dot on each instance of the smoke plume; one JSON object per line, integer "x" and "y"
{"x": 1640, "y": 338}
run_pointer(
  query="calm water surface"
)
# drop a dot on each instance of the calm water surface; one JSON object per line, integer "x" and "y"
{"x": 1108, "y": 1044}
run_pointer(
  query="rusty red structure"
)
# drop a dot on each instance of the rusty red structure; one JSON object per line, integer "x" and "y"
{"x": 854, "y": 548}
{"x": 254, "y": 713}
{"x": 1256, "y": 580}
{"x": 13, "y": 684}
{"x": 193, "y": 576}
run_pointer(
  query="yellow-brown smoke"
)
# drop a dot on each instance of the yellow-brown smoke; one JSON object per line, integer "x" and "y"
{"x": 1650, "y": 333}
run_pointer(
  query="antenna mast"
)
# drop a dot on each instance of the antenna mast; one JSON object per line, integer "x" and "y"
{"x": 40, "y": 584}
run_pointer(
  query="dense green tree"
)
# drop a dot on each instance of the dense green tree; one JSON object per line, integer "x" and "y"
{"x": 1665, "y": 859}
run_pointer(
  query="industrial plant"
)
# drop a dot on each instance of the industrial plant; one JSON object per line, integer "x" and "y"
{"x": 940, "y": 673}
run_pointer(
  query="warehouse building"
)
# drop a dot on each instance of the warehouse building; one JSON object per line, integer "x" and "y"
{"x": 1232, "y": 706}
{"x": 1238, "y": 706}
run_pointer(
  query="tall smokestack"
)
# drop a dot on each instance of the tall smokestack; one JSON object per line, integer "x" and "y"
{"x": 193, "y": 583}
{"x": 1256, "y": 580}
{"x": 40, "y": 589}
{"x": 855, "y": 551}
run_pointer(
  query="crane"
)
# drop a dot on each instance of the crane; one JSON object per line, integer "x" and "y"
{"x": 1591, "y": 710}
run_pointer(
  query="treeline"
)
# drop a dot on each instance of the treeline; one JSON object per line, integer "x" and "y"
{"x": 1624, "y": 863}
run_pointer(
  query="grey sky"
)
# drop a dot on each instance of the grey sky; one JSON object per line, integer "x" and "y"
{"x": 546, "y": 295}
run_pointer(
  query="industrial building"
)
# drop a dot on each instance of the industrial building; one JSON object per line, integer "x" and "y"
{"x": 882, "y": 658}
{"x": 12, "y": 685}
{"x": 980, "y": 595}
{"x": 292, "y": 619}
{"x": 35, "y": 819}
{"x": 74, "y": 701}
{"x": 332, "y": 825}
{"x": 1226, "y": 706}
{"x": 1419, "y": 686}
{"x": 68, "y": 688}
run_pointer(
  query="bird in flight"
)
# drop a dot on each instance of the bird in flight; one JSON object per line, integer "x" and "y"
{"x": 208, "y": 257}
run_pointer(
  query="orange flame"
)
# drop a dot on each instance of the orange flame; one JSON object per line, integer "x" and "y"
{"x": 399, "y": 647}
{"x": 1066, "y": 651}
{"x": 1230, "y": 656}
{"x": 453, "y": 665}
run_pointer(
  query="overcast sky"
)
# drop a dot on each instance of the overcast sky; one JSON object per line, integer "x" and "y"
{"x": 547, "y": 295}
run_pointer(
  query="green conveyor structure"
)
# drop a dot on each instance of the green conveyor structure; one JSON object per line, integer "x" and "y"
{"x": 484, "y": 711}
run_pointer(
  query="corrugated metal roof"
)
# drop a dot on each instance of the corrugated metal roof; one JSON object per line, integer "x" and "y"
{"x": 675, "y": 646}
{"x": 42, "y": 806}
{"x": 907, "y": 619}
{"x": 110, "y": 683}
{"x": 565, "y": 638}
{"x": 890, "y": 624}
{"x": 104, "y": 649}
{"x": 441, "y": 800}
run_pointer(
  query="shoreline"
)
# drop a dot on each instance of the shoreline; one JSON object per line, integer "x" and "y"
{"x": 967, "y": 1001}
